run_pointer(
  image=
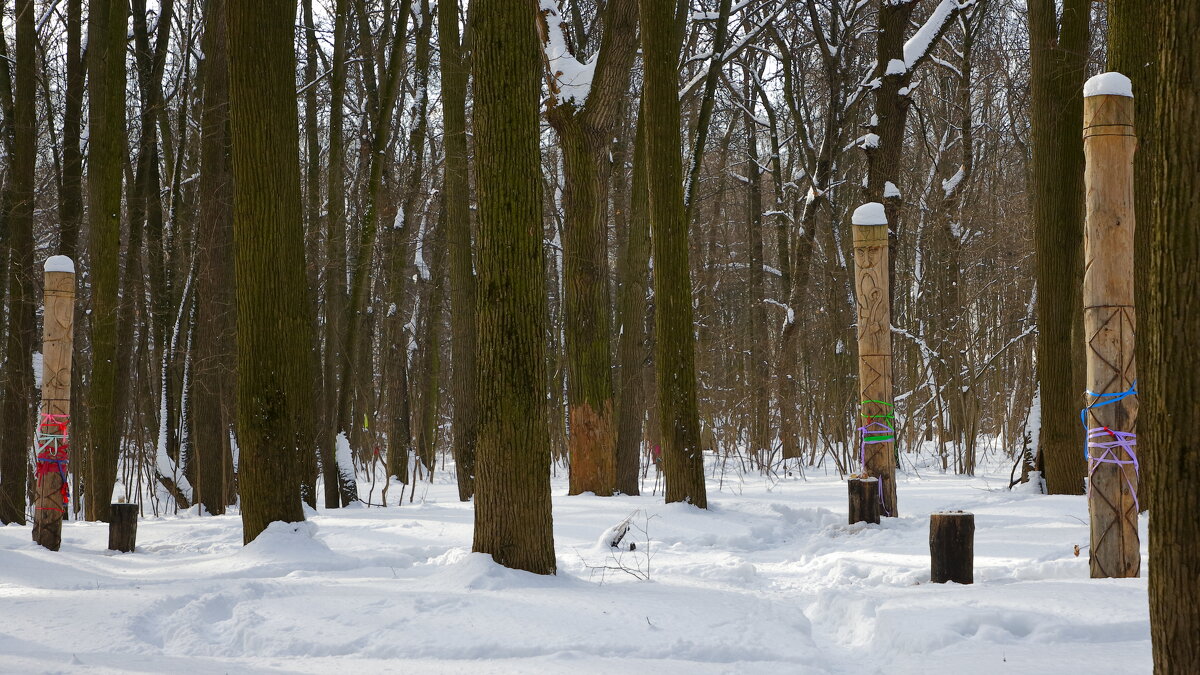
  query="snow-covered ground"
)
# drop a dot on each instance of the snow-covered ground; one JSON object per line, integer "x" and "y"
{"x": 770, "y": 580}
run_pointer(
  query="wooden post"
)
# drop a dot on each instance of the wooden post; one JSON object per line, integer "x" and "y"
{"x": 122, "y": 527}
{"x": 952, "y": 547}
{"x": 53, "y": 431}
{"x": 875, "y": 349}
{"x": 864, "y": 500}
{"x": 1109, "y": 323}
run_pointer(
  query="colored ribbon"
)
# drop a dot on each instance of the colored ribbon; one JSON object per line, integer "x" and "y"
{"x": 872, "y": 432}
{"x": 1107, "y": 450}
{"x": 52, "y": 446}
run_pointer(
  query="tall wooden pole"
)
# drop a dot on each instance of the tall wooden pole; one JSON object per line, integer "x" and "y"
{"x": 53, "y": 433}
{"x": 877, "y": 430}
{"x": 1109, "y": 325}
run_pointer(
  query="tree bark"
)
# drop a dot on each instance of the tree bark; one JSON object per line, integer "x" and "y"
{"x": 457, "y": 198}
{"x": 150, "y": 60}
{"x": 107, "y": 153}
{"x": 1169, "y": 385}
{"x": 381, "y": 135}
{"x": 335, "y": 259}
{"x": 952, "y": 547}
{"x": 675, "y": 356}
{"x": 585, "y": 131}
{"x": 213, "y": 390}
{"x": 71, "y": 200}
{"x": 431, "y": 348}
{"x": 707, "y": 102}
{"x": 18, "y": 379}
{"x": 633, "y": 342}
{"x": 1134, "y": 33}
{"x": 272, "y": 307}
{"x": 759, "y": 371}
{"x": 1058, "y": 53}
{"x": 122, "y": 529}
{"x": 513, "y": 519}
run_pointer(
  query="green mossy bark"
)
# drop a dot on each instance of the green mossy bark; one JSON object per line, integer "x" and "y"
{"x": 631, "y": 318}
{"x": 675, "y": 355}
{"x": 513, "y": 519}
{"x": 107, "y": 154}
{"x": 273, "y": 327}
{"x": 457, "y": 194}
{"x": 18, "y": 376}
{"x": 210, "y": 465}
{"x": 1058, "y": 51}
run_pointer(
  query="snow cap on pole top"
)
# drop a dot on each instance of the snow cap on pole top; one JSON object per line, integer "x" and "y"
{"x": 1108, "y": 84}
{"x": 60, "y": 263}
{"x": 871, "y": 213}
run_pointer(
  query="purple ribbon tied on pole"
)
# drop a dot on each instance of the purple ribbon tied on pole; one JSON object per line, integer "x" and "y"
{"x": 1106, "y": 450}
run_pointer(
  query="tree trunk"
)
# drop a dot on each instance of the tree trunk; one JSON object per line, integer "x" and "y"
{"x": 457, "y": 197}
{"x": 18, "y": 379}
{"x": 6, "y": 143}
{"x": 431, "y": 346}
{"x": 272, "y": 305}
{"x": 71, "y": 200}
{"x": 150, "y": 60}
{"x": 1133, "y": 37}
{"x": 675, "y": 356}
{"x": 585, "y": 130}
{"x": 313, "y": 462}
{"x": 707, "y": 101}
{"x": 1058, "y": 52}
{"x": 513, "y": 519}
{"x": 212, "y": 382}
{"x": 107, "y": 153}
{"x": 1170, "y": 385}
{"x": 760, "y": 386}
{"x": 380, "y": 135}
{"x": 632, "y": 343}
{"x": 335, "y": 259}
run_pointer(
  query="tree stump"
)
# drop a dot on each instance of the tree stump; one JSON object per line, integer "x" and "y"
{"x": 864, "y": 500}
{"x": 952, "y": 547}
{"x": 122, "y": 527}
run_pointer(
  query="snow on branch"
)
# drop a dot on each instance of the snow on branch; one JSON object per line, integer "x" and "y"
{"x": 569, "y": 78}
{"x": 919, "y": 44}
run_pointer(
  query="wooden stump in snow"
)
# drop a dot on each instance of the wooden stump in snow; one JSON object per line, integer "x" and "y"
{"x": 864, "y": 500}
{"x": 952, "y": 547}
{"x": 122, "y": 527}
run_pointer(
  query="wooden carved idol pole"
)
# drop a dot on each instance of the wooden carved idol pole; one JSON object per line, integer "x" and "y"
{"x": 1109, "y": 325}
{"x": 50, "y": 501}
{"x": 877, "y": 430}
